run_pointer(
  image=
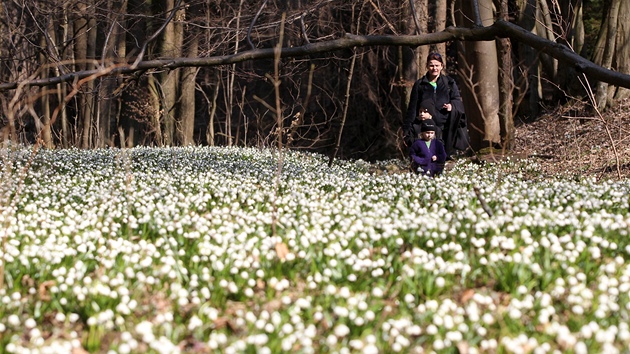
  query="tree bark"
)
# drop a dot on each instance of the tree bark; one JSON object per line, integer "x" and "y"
{"x": 414, "y": 21}
{"x": 545, "y": 29}
{"x": 170, "y": 80}
{"x": 576, "y": 34}
{"x": 601, "y": 95}
{"x": 85, "y": 38}
{"x": 440, "y": 23}
{"x": 89, "y": 96}
{"x": 114, "y": 52}
{"x": 572, "y": 15}
{"x": 422, "y": 12}
{"x": 480, "y": 78}
{"x": 529, "y": 64}
{"x": 600, "y": 45}
{"x": 187, "y": 104}
{"x": 622, "y": 52}
{"x": 46, "y": 132}
{"x": 66, "y": 134}
{"x": 80, "y": 57}
{"x": 506, "y": 84}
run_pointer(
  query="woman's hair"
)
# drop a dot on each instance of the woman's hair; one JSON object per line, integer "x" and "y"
{"x": 435, "y": 56}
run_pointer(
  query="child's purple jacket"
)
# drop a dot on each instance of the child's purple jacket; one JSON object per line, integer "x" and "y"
{"x": 421, "y": 156}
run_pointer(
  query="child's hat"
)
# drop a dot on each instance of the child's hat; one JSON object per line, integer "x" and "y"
{"x": 428, "y": 125}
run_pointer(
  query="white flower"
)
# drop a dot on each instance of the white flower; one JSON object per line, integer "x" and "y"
{"x": 515, "y": 314}
{"x": 331, "y": 340}
{"x": 30, "y": 323}
{"x": 440, "y": 282}
{"x": 194, "y": 323}
{"x": 13, "y": 320}
{"x": 370, "y": 349}
{"x": 341, "y": 330}
{"x": 287, "y": 328}
{"x": 487, "y": 318}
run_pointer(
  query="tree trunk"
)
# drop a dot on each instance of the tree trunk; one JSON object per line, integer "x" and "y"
{"x": 84, "y": 52}
{"x": 46, "y": 132}
{"x": 171, "y": 48}
{"x": 440, "y": 23}
{"x": 187, "y": 105}
{"x": 529, "y": 63}
{"x": 154, "y": 97}
{"x": 622, "y": 52}
{"x": 413, "y": 58}
{"x": 231, "y": 76}
{"x": 506, "y": 84}
{"x": 66, "y": 134}
{"x": 576, "y": 34}
{"x": 481, "y": 81}
{"x": 422, "y": 11}
{"x": 212, "y": 109}
{"x": 544, "y": 28}
{"x": 115, "y": 51}
{"x": 600, "y": 44}
{"x": 572, "y": 11}
{"x": 89, "y": 96}
{"x": 601, "y": 96}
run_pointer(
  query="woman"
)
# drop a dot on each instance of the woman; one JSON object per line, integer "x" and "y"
{"x": 442, "y": 91}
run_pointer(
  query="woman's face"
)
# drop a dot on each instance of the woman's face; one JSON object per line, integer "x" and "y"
{"x": 434, "y": 67}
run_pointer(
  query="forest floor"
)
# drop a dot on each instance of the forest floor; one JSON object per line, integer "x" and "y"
{"x": 573, "y": 143}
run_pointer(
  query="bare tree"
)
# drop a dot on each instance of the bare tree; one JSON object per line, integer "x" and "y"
{"x": 144, "y": 49}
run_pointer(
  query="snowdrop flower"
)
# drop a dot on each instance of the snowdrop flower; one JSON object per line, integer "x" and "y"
{"x": 487, "y": 318}
{"x": 370, "y": 349}
{"x": 341, "y": 331}
{"x": 331, "y": 340}
{"x": 440, "y": 282}
{"x": 30, "y": 323}
{"x": 194, "y": 323}
{"x": 13, "y": 320}
{"x": 515, "y": 314}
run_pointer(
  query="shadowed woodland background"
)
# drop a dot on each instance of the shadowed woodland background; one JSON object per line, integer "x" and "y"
{"x": 363, "y": 90}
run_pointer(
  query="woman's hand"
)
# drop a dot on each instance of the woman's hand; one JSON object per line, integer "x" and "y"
{"x": 448, "y": 106}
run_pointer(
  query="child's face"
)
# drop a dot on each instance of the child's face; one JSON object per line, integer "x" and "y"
{"x": 424, "y": 114}
{"x": 428, "y": 135}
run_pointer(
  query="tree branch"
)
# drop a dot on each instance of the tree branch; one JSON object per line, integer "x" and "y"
{"x": 501, "y": 29}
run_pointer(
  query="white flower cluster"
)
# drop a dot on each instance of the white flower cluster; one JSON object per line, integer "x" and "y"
{"x": 202, "y": 249}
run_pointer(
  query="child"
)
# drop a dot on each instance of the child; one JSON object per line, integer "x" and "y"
{"x": 427, "y": 153}
{"x": 427, "y": 111}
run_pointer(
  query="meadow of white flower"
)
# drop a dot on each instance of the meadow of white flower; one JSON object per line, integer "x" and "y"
{"x": 172, "y": 250}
